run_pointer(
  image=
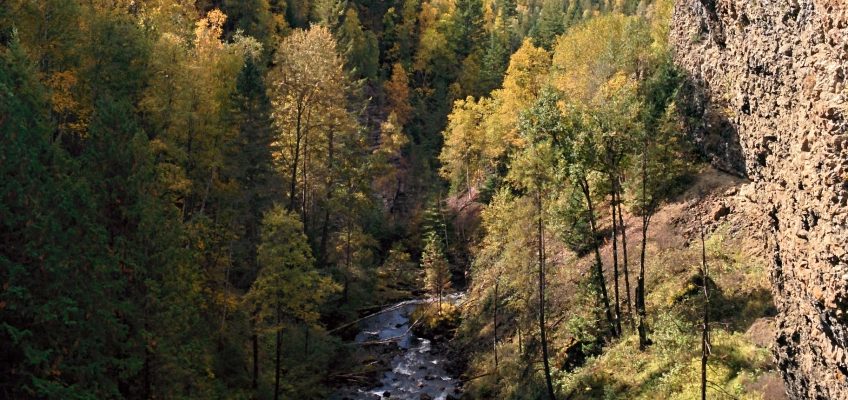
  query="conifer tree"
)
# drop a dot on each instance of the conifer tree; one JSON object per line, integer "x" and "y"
{"x": 436, "y": 268}
{"x": 58, "y": 284}
{"x": 289, "y": 290}
{"x": 466, "y": 27}
{"x": 359, "y": 46}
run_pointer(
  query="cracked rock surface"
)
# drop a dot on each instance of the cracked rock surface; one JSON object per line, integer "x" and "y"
{"x": 767, "y": 92}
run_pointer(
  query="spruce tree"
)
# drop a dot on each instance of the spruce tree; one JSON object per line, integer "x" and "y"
{"x": 250, "y": 164}
{"x": 436, "y": 268}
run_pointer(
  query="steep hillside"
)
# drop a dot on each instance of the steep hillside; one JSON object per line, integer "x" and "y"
{"x": 769, "y": 81}
{"x": 742, "y": 311}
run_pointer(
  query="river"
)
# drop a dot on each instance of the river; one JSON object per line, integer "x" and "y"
{"x": 417, "y": 371}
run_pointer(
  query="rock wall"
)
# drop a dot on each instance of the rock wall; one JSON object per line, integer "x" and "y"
{"x": 767, "y": 86}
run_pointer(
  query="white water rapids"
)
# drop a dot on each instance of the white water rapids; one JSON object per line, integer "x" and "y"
{"x": 417, "y": 372}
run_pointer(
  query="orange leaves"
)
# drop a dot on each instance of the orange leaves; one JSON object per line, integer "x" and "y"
{"x": 208, "y": 31}
{"x": 73, "y": 117}
{"x": 61, "y": 84}
{"x": 397, "y": 93}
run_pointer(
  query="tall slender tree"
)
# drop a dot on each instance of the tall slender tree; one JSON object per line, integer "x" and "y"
{"x": 289, "y": 289}
{"x": 533, "y": 170}
{"x": 436, "y": 268}
{"x": 305, "y": 85}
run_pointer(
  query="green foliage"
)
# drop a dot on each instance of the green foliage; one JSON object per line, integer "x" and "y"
{"x": 466, "y": 26}
{"x": 250, "y": 164}
{"x": 287, "y": 295}
{"x": 253, "y": 18}
{"x": 569, "y": 218}
{"x": 288, "y": 282}
{"x": 145, "y": 145}
{"x": 54, "y": 278}
{"x": 670, "y": 369}
{"x": 433, "y": 319}
{"x": 437, "y": 276}
{"x": 359, "y": 46}
{"x": 550, "y": 25}
{"x": 398, "y": 274}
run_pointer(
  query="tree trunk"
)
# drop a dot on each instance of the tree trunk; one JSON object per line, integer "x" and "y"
{"x": 640, "y": 281}
{"x": 625, "y": 264}
{"x": 305, "y": 202}
{"x": 640, "y": 289}
{"x": 599, "y": 265}
{"x": 520, "y": 341}
{"x": 296, "y": 155}
{"x": 325, "y": 228}
{"x": 705, "y": 330}
{"x": 346, "y": 288}
{"x": 255, "y": 339}
{"x": 279, "y": 344}
{"x": 615, "y": 279}
{"x": 495, "y": 328}
{"x": 305, "y": 341}
{"x": 542, "y": 330}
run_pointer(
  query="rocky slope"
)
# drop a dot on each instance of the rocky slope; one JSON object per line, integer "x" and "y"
{"x": 767, "y": 95}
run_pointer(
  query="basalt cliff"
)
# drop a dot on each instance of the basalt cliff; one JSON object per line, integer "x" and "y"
{"x": 767, "y": 91}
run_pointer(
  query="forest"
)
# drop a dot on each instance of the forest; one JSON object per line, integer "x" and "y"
{"x": 202, "y": 199}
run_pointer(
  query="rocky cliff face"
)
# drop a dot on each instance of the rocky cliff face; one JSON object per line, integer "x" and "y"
{"x": 767, "y": 83}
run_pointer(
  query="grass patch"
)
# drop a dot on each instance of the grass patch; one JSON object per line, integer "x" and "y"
{"x": 671, "y": 368}
{"x": 431, "y": 322}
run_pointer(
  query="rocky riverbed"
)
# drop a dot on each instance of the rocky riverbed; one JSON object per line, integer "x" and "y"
{"x": 417, "y": 368}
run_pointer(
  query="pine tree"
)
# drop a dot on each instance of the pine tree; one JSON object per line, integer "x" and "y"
{"x": 250, "y": 162}
{"x": 466, "y": 27}
{"x": 550, "y": 24}
{"x": 359, "y": 46}
{"x": 251, "y": 165}
{"x": 289, "y": 289}
{"x": 532, "y": 170}
{"x": 252, "y": 18}
{"x": 61, "y": 332}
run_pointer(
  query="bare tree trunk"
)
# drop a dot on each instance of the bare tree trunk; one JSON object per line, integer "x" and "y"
{"x": 615, "y": 280}
{"x": 296, "y": 155}
{"x": 279, "y": 344}
{"x": 325, "y": 228}
{"x": 542, "y": 330}
{"x": 705, "y": 329}
{"x": 520, "y": 341}
{"x": 444, "y": 221}
{"x": 304, "y": 184}
{"x": 625, "y": 264}
{"x": 640, "y": 289}
{"x": 599, "y": 264}
{"x": 346, "y": 288}
{"x": 495, "y": 327}
{"x": 305, "y": 340}
{"x": 640, "y": 281}
{"x": 255, "y": 342}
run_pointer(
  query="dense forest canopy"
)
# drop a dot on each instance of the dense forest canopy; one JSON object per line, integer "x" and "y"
{"x": 200, "y": 197}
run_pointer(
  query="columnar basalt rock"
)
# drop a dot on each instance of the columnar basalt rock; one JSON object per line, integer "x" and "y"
{"x": 767, "y": 91}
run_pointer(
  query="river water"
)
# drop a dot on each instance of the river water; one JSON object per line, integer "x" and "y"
{"x": 417, "y": 371}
